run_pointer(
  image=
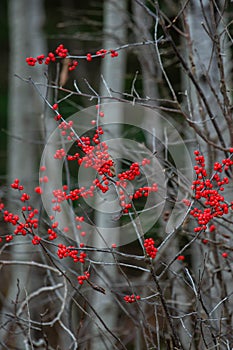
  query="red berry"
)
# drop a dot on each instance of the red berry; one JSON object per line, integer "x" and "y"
{"x": 181, "y": 258}
{"x": 38, "y": 190}
{"x": 89, "y": 57}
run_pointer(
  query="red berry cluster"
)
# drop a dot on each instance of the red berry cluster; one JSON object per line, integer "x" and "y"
{"x": 96, "y": 156}
{"x": 10, "y": 218}
{"x": 74, "y": 157}
{"x": 130, "y": 174}
{"x": 60, "y": 153}
{"x": 72, "y": 65}
{"x": 125, "y": 199}
{"x": 31, "y": 61}
{"x": 82, "y": 192}
{"x": 113, "y": 53}
{"x": 151, "y": 251}
{"x": 131, "y": 298}
{"x": 60, "y": 51}
{"x": 25, "y": 197}
{"x": 40, "y": 59}
{"x": 101, "y": 52}
{"x": 89, "y": 57}
{"x": 58, "y": 117}
{"x": 65, "y": 128}
{"x": 30, "y": 216}
{"x": 64, "y": 252}
{"x": 31, "y": 223}
{"x": 145, "y": 191}
{"x": 83, "y": 278}
{"x": 52, "y": 234}
{"x": 209, "y": 190}
{"x": 36, "y": 240}
{"x": 50, "y": 58}
{"x": 16, "y": 186}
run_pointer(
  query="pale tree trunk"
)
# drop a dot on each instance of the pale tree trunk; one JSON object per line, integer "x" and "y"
{"x": 152, "y": 74}
{"x": 24, "y": 125}
{"x": 113, "y": 74}
{"x": 204, "y": 60}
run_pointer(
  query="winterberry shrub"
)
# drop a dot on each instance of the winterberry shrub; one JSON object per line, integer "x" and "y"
{"x": 69, "y": 247}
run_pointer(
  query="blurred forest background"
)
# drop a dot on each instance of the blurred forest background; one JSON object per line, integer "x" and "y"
{"x": 189, "y": 76}
{"x": 77, "y": 24}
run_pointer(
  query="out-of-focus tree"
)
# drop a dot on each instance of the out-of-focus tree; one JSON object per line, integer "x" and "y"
{"x": 25, "y": 127}
{"x": 208, "y": 99}
{"x": 115, "y": 23}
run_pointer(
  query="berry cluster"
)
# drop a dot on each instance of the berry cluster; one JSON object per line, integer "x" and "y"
{"x": 130, "y": 174}
{"x": 30, "y": 215}
{"x": 66, "y": 127}
{"x": 31, "y": 223}
{"x": 209, "y": 191}
{"x": 31, "y": 61}
{"x": 64, "y": 252}
{"x": 151, "y": 251}
{"x": 60, "y": 153}
{"x": 89, "y": 57}
{"x": 83, "y": 278}
{"x": 36, "y": 240}
{"x": 16, "y": 186}
{"x": 102, "y": 53}
{"x": 96, "y": 153}
{"x": 22, "y": 228}
{"x": 145, "y": 191}
{"x": 62, "y": 52}
{"x": 79, "y": 220}
{"x": 113, "y": 53}
{"x": 52, "y": 234}
{"x": 96, "y": 156}
{"x": 72, "y": 65}
{"x": 131, "y": 298}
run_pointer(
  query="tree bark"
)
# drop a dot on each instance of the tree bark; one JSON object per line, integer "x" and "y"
{"x": 26, "y": 19}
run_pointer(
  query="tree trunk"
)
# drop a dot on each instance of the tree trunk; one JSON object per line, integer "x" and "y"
{"x": 24, "y": 125}
{"x": 205, "y": 61}
{"x": 113, "y": 73}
